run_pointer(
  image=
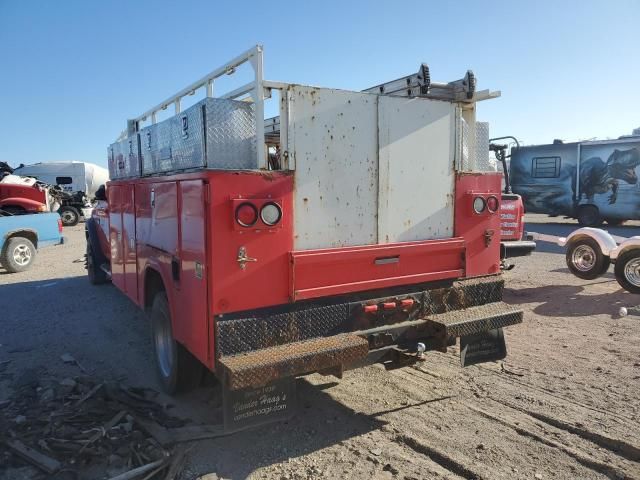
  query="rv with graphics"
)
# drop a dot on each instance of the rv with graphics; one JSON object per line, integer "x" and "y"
{"x": 592, "y": 181}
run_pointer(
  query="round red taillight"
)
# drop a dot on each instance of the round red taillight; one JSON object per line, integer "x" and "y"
{"x": 493, "y": 204}
{"x": 246, "y": 214}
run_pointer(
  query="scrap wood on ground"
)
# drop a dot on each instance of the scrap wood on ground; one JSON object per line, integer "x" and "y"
{"x": 78, "y": 427}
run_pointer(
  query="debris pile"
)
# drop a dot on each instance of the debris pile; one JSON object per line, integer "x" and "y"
{"x": 79, "y": 428}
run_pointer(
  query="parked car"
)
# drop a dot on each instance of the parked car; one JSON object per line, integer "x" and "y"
{"x": 21, "y": 236}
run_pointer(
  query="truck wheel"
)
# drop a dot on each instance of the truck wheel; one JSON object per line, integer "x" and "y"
{"x": 615, "y": 222}
{"x": 627, "y": 270}
{"x": 589, "y": 216}
{"x": 19, "y": 253}
{"x": 178, "y": 370}
{"x": 96, "y": 275}
{"x": 585, "y": 259}
{"x": 70, "y": 216}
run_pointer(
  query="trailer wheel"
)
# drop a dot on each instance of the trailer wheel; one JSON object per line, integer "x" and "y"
{"x": 70, "y": 216}
{"x": 96, "y": 275}
{"x": 585, "y": 258}
{"x": 177, "y": 369}
{"x": 18, "y": 255}
{"x": 589, "y": 216}
{"x": 627, "y": 270}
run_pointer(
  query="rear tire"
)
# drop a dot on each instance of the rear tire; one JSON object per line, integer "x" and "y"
{"x": 70, "y": 216}
{"x": 627, "y": 270}
{"x": 585, "y": 259}
{"x": 589, "y": 216}
{"x": 178, "y": 370}
{"x": 96, "y": 275}
{"x": 18, "y": 255}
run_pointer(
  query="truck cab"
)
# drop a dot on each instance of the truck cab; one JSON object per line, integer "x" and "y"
{"x": 514, "y": 241}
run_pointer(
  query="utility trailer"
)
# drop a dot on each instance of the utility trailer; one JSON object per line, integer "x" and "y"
{"x": 353, "y": 228}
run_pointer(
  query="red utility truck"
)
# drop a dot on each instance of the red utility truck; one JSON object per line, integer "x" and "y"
{"x": 352, "y": 228}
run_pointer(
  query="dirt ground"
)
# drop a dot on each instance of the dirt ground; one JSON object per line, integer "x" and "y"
{"x": 564, "y": 404}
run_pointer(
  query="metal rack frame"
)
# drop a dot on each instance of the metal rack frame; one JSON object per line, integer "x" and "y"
{"x": 255, "y": 89}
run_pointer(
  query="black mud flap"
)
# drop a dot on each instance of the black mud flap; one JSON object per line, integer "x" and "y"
{"x": 482, "y": 347}
{"x": 250, "y": 407}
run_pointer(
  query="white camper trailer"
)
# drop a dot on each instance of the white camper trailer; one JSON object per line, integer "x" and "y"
{"x": 70, "y": 176}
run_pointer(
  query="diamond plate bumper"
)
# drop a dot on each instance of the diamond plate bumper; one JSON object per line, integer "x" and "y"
{"x": 260, "y": 367}
{"x": 459, "y": 323}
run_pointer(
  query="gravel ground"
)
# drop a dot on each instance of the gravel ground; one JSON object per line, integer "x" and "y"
{"x": 564, "y": 404}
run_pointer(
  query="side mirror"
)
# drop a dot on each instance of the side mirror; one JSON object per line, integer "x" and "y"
{"x": 101, "y": 193}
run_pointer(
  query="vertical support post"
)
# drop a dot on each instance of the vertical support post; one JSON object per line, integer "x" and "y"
{"x": 210, "y": 89}
{"x": 258, "y": 98}
{"x": 578, "y": 165}
{"x": 153, "y": 118}
{"x": 177, "y": 104}
{"x": 288, "y": 162}
{"x": 469, "y": 116}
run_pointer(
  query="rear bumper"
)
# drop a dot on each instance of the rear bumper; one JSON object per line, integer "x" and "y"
{"x": 517, "y": 248}
{"x": 259, "y": 349}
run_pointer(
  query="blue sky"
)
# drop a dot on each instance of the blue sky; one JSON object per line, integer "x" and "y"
{"x": 74, "y": 71}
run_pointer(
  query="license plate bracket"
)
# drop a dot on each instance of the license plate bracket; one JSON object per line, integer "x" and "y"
{"x": 487, "y": 346}
{"x": 250, "y": 407}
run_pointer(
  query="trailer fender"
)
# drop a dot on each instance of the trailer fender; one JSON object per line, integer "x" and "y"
{"x": 633, "y": 242}
{"x": 605, "y": 241}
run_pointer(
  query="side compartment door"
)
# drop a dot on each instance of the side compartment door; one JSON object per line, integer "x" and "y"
{"x": 115, "y": 236}
{"x": 192, "y": 305}
{"x": 130, "y": 266}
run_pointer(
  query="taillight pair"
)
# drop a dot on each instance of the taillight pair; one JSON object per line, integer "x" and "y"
{"x": 247, "y": 214}
{"x": 481, "y": 204}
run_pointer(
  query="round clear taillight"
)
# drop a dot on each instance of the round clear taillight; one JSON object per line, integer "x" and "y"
{"x": 271, "y": 213}
{"x": 246, "y": 214}
{"x": 479, "y": 204}
{"x": 493, "y": 204}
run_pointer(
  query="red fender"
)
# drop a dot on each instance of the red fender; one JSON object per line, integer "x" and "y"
{"x": 26, "y": 203}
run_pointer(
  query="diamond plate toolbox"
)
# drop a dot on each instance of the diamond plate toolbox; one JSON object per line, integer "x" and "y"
{"x": 124, "y": 158}
{"x": 174, "y": 144}
{"x": 230, "y": 134}
{"x": 214, "y": 133}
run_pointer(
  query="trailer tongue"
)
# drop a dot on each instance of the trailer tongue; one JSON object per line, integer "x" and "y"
{"x": 352, "y": 228}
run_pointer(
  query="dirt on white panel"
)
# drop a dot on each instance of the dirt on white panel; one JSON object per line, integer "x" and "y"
{"x": 333, "y": 140}
{"x": 416, "y": 169}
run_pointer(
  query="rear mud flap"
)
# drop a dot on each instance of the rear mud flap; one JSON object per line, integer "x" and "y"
{"x": 482, "y": 347}
{"x": 250, "y": 407}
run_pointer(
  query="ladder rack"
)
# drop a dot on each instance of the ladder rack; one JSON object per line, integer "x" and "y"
{"x": 415, "y": 85}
